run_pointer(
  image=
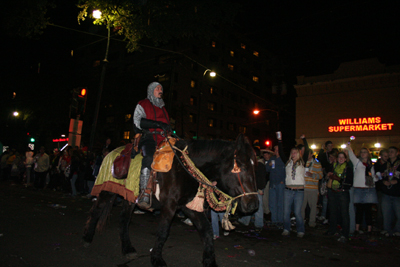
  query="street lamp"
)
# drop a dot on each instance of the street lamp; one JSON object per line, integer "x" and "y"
{"x": 257, "y": 111}
{"x": 15, "y": 114}
{"x": 212, "y": 74}
{"x": 97, "y": 15}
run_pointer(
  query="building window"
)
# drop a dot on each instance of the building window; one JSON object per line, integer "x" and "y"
{"x": 193, "y": 83}
{"x": 211, "y": 106}
{"x": 212, "y": 90}
{"x": 193, "y": 101}
{"x": 243, "y": 46}
{"x": 210, "y": 122}
{"x": 231, "y": 67}
{"x": 195, "y": 67}
{"x": 192, "y": 118}
{"x": 213, "y": 44}
{"x": 256, "y": 79}
{"x": 255, "y": 53}
{"x": 232, "y": 96}
{"x": 232, "y": 53}
{"x": 127, "y": 134}
{"x": 128, "y": 117}
{"x": 231, "y": 126}
{"x": 110, "y": 119}
{"x": 242, "y": 129}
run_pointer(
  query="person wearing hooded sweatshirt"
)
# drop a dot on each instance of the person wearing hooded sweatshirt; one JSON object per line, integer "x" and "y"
{"x": 151, "y": 119}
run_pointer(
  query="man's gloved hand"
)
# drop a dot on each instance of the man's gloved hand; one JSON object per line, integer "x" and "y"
{"x": 147, "y": 124}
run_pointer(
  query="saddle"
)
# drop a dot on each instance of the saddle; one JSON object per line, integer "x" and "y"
{"x": 164, "y": 156}
{"x": 162, "y": 162}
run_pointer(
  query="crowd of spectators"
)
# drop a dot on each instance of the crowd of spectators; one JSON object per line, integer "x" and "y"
{"x": 333, "y": 186}
{"x": 71, "y": 171}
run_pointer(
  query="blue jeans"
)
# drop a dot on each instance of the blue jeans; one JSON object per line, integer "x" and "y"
{"x": 73, "y": 181}
{"x": 293, "y": 197}
{"x": 324, "y": 206}
{"x": 276, "y": 202}
{"x": 352, "y": 211}
{"x": 390, "y": 207}
{"x": 215, "y": 216}
{"x": 258, "y": 215}
{"x": 339, "y": 203}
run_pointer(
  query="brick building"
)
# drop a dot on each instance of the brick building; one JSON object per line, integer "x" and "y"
{"x": 359, "y": 99}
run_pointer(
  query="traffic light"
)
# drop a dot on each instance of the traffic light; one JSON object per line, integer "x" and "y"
{"x": 78, "y": 102}
{"x": 268, "y": 143}
{"x": 82, "y": 101}
{"x": 32, "y": 140}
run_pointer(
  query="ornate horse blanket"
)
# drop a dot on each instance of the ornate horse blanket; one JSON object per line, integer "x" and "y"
{"x": 127, "y": 188}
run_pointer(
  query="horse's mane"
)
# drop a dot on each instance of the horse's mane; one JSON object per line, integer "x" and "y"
{"x": 213, "y": 157}
{"x": 207, "y": 150}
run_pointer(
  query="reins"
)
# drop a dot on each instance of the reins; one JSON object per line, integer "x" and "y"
{"x": 209, "y": 191}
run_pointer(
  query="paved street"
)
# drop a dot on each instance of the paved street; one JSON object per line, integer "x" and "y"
{"x": 34, "y": 232}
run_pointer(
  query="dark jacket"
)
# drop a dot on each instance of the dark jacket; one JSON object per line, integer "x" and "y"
{"x": 393, "y": 190}
{"x": 261, "y": 175}
{"x": 347, "y": 182}
{"x": 323, "y": 158}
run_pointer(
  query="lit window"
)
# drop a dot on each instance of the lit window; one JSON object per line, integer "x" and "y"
{"x": 210, "y": 122}
{"x": 193, "y": 83}
{"x": 193, "y": 101}
{"x": 128, "y": 117}
{"x": 255, "y": 79}
{"x": 243, "y": 46}
{"x": 210, "y": 106}
{"x": 230, "y": 67}
{"x": 232, "y": 53}
{"x": 192, "y": 118}
{"x": 213, "y": 43}
{"x": 127, "y": 134}
{"x": 255, "y": 53}
{"x": 242, "y": 129}
{"x": 211, "y": 90}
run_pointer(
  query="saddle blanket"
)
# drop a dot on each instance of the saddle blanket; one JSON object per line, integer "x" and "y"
{"x": 127, "y": 188}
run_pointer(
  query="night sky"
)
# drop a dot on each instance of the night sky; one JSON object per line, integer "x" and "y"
{"x": 313, "y": 37}
{"x": 310, "y": 38}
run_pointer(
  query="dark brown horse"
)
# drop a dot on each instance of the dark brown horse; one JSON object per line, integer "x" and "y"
{"x": 215, "y": 159}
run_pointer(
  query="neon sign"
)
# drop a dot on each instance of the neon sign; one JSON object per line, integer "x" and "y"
{"x": 60, "y": 140}
{"x": 361, "y": 125}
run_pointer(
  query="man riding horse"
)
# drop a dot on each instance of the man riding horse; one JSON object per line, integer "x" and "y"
{"x": 152, "y": 121}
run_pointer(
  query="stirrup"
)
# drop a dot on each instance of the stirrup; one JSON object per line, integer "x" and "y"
{"x": 142, "y": 203}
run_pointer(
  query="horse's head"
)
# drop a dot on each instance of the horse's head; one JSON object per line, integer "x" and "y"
{"x": 240, "y": 178}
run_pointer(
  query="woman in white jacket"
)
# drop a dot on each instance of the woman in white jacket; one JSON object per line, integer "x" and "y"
{"x": 294, "y": 191}
{"x": 364, "y": 188}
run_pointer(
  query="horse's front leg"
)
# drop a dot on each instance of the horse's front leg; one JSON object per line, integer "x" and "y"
{"x": 125, "y": 217}
{"x": 167, "y": 214}
{"x": 204, "y": 228}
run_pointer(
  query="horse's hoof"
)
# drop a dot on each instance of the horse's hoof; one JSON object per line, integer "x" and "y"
{"x": 131, "y": 256}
